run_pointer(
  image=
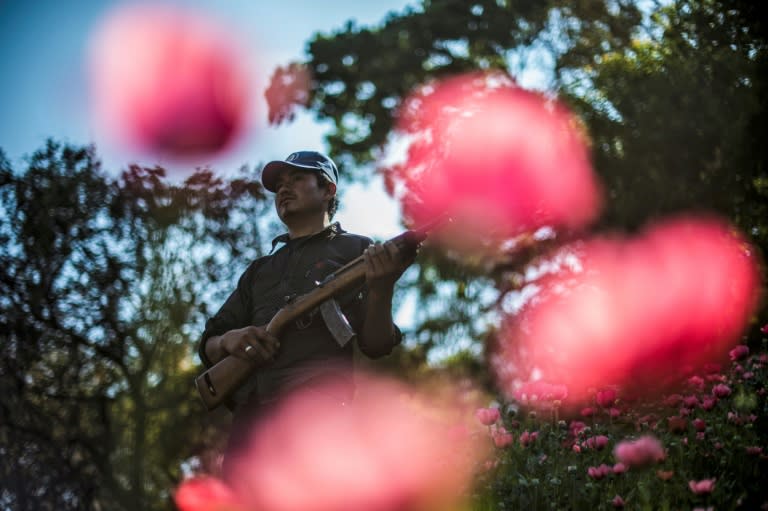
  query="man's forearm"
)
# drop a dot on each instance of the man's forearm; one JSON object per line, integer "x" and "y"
{"x": 377, "y": 336}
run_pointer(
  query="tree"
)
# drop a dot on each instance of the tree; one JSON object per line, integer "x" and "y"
{"x": 105, "y": 282}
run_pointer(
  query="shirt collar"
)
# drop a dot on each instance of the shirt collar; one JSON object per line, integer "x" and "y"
{"x": 329, "y": 232}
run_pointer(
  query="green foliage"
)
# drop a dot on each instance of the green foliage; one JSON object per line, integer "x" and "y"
{"x": 104, "y": 285}
{"x": 552, "y": 471}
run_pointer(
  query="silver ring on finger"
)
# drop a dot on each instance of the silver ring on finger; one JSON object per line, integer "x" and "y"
{"x": 248, "y": 349}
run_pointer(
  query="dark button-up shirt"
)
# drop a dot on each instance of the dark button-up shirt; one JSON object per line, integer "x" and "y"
{"x": 307, "y": 348}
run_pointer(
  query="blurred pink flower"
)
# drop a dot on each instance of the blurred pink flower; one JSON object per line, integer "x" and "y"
{"x": 721, "y": 390}
{"x": 614, "y": 412}
{"x": 703, "y": 487}
{"x": 600, "y": 472}
{"x": 645, "y": 450}
{"x": 605, "y": 398}
{"x": 699, "y": 424}
{"x": 673, "y": 400}
{"x": 696, "y": 381}
{"x": 620, "y": 468}
{"x": 707, "y": 403}
{"x": 587, "y": 412}
{"x": 691, "y": 401}
{"x": 617, "y": 502}
{"x": 576, "y": 427}
{"x": 764, "y": 328}
{"x": 754, "y": 449}
{"x": 528, "y": 438}
{"x": 487, "y": 416}
{"x": 388, "y": 451}
{"x": 205, "y": 494}
{"x": 665, "y": 475}
{"x": 540, "y": 394}
{"x": 596, "y": 442}
{"x": 502, "y": 438}
{"x": 576, "y": 448}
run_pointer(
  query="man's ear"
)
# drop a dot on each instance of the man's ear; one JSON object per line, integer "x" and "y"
{"x": 331, "y": 190}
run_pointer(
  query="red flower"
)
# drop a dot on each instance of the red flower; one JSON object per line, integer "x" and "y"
{"x": 587, "y": 412}
{"x": 643, "y": 451}
{"x": 708, "y": 403}
{"x": 764, "y": 328}
{"x": 487, "y": 416}
{"x": 665, "y": 475}
{"x": 703, "y": 487}
{"x": 617, "y": 502}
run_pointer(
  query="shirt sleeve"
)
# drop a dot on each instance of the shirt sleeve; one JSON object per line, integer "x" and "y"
{"x": 233, "y": 314}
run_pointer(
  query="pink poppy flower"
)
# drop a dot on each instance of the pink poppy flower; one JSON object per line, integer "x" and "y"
{"x": 691, "y": 401}
{"x": 292, "y": 462}
{"x": 618, "y": 502}
{"x": 605, "y": 398}
{"x": 707, "y": 403}
{"x": 205, "y": 494}
{"x": 620, "y": 468}
{"x": 645, "y": 450}
{"x": 699, "y": 424}
{"x": 696, "y": 381}
{"x": 502, "y": 438}
{"x": 721, "y": 390}
{"x": 600, "y": 472}
{"x": 576, "y": 427}
{"x": 169, "y": 82}
{"x": 487, "y": 416}
{"x": 528, "y": 438}
{"x": 587, "y": 412}
{"x": 703, "y": 487}
{"x": 596, "y": 442}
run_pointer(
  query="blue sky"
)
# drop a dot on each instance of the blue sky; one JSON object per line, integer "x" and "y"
{"x": 43, "y": 90}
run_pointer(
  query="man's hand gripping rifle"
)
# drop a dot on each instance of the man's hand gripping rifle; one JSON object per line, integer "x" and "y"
{"x": 219, "y": 383}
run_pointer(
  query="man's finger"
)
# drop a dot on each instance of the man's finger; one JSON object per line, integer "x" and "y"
{"x": 256, "y": 352}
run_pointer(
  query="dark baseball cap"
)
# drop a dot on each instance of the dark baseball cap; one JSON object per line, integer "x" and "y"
{"x": 307, "y": 160}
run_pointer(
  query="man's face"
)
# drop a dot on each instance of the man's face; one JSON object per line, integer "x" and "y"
{"x": 298, "y": 194}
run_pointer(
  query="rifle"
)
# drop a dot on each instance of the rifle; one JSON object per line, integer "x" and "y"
{"x": 219, "y": 383}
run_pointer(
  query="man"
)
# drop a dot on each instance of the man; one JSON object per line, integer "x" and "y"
{"x": 305, "y": 198}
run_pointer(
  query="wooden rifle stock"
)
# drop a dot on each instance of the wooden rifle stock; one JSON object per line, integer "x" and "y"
{"x": 218, "y": 383}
